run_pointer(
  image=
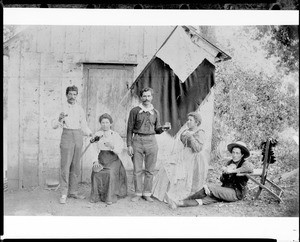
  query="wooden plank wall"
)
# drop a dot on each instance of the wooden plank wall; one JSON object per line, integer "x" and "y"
{"x": 29, "y": 116}
{"x": 13, "y": 116}
{"x": 5, "y": 110}
{"x": 51, "y": 98}
{"x": 42, "y": 62}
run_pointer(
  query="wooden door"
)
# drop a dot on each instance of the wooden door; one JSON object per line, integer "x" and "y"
{"x": 106, "y": 90}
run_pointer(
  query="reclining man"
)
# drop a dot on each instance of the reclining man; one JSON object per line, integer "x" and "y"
{"x": 233, "y": 187}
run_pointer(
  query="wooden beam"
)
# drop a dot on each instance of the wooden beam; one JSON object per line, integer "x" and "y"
{"x": 20, "y": 166}
{"x": 274, "y": 184}
{"x": 41, "y": 137}
{"x": 263, "y": 187}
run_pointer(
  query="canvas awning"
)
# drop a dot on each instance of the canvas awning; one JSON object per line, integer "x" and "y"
{"x": 181, "y": 74}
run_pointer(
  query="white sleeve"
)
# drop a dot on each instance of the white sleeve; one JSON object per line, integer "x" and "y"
{"x": 98, "y": 133}
{"x": 118, "y": 143}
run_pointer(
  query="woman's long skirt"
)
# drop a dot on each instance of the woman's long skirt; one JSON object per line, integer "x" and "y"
{"x": 181, "y": 179}
{"x": 110, "y": 183}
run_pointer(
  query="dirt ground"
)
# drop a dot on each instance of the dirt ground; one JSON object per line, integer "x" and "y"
{"x": 38, "y": 201}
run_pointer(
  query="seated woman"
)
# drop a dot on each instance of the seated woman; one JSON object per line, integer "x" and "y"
{"x": 186, "y": 169}
{"x": 109, "y": 180}
{"x": 233, "y": 187}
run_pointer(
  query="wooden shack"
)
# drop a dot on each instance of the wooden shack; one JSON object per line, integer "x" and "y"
{"x": 102, "y": 61}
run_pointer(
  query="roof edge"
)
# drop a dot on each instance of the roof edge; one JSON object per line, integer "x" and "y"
{"x": 221, "y": 56}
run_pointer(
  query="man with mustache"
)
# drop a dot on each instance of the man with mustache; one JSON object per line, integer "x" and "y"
{"x": 72, "y": 120}
{"x": 143, "y": 124}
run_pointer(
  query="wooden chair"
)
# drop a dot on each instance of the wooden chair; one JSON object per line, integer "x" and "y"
{"x": 261, "y": 174}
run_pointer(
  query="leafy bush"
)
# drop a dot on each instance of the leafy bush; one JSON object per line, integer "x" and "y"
{"x": 256, "y": 94}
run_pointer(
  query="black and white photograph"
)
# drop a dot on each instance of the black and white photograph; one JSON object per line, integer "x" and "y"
{"x": 121, "y": 120}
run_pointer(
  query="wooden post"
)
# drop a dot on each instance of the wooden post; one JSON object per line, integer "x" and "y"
{"x": 265, "y": 166}
{"x": 20, "y": 166}
{"x": 41, "y": 127}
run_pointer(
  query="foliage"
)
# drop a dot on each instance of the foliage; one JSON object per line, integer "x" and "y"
{"x": 284, "y": 5}
{"x": 256, "y": 94}
{"x": 288, "y": 4}
{"x": 287, "y": 144}
{"x": 284, "y": 44}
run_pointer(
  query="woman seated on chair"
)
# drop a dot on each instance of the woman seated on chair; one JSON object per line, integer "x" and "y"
{"x": 233, "y": 187}
{"x": 109, "y": 180}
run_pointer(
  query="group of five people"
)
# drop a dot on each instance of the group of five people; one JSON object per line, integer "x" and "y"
{"x": 181, "y": 179}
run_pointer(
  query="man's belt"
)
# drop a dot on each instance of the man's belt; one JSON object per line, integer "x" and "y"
{"x": 71, "y": 129}
{"x": 142, "y": 134}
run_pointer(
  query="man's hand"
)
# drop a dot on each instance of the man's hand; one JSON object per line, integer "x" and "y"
{"x": 166, "y": 126}
{"x": 232, "y": 170}
{"x": 62, "y": 115}
{"x": 224, "y": 169}
{"x": 229, "y": 169}
{"x": 97, "y": 167}
{"x": 130, "y": 151}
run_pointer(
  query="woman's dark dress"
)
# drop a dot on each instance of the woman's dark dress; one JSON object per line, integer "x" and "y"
{"x": 110, "y": 183}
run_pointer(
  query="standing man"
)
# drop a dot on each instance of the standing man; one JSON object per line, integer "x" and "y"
{"x": 72, "y": 120}
{"x": 143, "y": 124}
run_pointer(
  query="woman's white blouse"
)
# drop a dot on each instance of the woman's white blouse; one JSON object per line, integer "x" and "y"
{"x": 112, "y": 137}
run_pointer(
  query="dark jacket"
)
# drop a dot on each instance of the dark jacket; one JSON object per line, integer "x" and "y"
{"x": 142, "y": 123}
{"x": 238, "y": 183}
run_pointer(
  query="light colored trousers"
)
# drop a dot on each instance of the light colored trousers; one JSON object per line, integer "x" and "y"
{"x": 218, "y": 194}
{"x": 145, "y": 149}
{"x": 70, "y": 150}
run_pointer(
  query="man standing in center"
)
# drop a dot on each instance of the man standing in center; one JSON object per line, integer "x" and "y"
{"x": 143, "y": 124}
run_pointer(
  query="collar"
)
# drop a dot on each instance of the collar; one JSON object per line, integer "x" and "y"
{"x": 105, "y": 133}
{"x": 71, "y": 105}
{"x": 144, "y": 109}
{"x": 238, "y": 164}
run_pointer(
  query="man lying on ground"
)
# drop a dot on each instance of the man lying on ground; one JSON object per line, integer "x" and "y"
{"x": 233, "y": 187}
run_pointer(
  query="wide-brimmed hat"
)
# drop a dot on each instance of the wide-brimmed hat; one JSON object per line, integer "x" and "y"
{"x": 240, "y": 145}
